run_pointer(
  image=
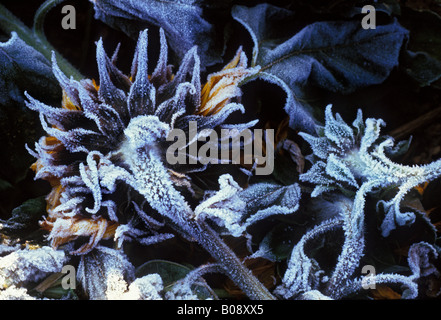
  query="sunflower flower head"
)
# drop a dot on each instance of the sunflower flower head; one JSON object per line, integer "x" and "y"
{"x": 103, "y": 154}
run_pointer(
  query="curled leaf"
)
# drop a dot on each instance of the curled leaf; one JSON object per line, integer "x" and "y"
{"x": 182, "y": 22}
{"x": 339, "y": 56}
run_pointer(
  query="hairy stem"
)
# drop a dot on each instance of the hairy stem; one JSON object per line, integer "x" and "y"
{"x": 232, "y": 266}
{"x": 152, "y": 181}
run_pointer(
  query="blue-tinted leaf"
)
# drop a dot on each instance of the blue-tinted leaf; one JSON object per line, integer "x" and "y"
{"x": 181, "y": 20}
{"x": 339, "y": 56}
{"x": 22, "y": 68}
{"x": 256, "y": 19}
{"x": 268, "y": 198}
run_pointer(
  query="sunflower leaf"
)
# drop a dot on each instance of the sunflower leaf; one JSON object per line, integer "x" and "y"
{"x": 22, "y": 68}
{"x": 182, "y": 22}
{"x": 339, "y": 56}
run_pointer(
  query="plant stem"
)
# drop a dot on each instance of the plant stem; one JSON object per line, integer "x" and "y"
{"x": 232, "y": 266}
{"x": 10, "y": 23}
{"x": 40, "y": 15}
{"x": 149, "y": 177}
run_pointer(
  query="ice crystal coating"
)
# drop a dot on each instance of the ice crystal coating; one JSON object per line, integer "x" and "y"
{"x": 354, "y": 161}
{"x": 346, "y": 158}
{"x": 145, "y": 288}
{"x": 109, "y": 141}
{"x": 236, "y": 209}
{"x": 305, "y": 279}
{"x": 148, "y": 287}
{"x": 104, "y": 272}
{"x": 27, "y": 265}
{"x": 14, "y": 293}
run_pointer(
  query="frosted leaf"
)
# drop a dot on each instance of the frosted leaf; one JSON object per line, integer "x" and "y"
{"x": 319, "y": 145}
{"x": 314, "y": 295}
{"x": 355, "y": 157}
{"x": 55, "y": 116}
{"x": 337, "y": 130}
{"x": 14, "y": 293}
{"x": 405, "y": 283}
{"x": 316, "y": 174}
{"x": 274, "y": 198}
{"x": 108, "y": 92}
{"x": 103, "y": 269}
{"x": 318, "y": 190}
{"x": 107, "y": 119}
{"x": 141, "y": 99}
{"x": 126, "y": 232}
{"x": 224, "y": 206}
{"x": 358, "y": 123}
{"x": 69, "y": 208}
{"x": 394, "y": 217}
{"x": 182, "y": 22}
{"x": 162, "y": 69}
{"x": 149, "y": 221}
{"x": 334, "y": 55}
{"x": 302, "y": 274}
{"x": 28, "y": 265}
{"x": 91, "y": 179}
{"x": 421, "y": 257}
{"x": 371, "y": 134}
{"x": 339, "y": 171}
{"x": 148, "y": 287}
{"x": 237, "y": 209}
{"x": 266, "y": 194}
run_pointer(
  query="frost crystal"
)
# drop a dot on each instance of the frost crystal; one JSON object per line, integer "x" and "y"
{"x": 105, "y": 156}
{"x": 14, "y": 293}
{"x": 26, "y": 265}
{"x": 236, "y": 209}
{"x": 354, "y": 161}
{"x": 111, "y": 137}
{"x": 148, "y": 287}
{"x": 104, "y": 273}
{"x": 145, "y": 288}
{"x": 346, "y": 158}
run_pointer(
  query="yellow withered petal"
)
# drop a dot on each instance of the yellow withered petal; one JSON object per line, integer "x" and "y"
{"x": 222, "y": 86}
{"x": 68, "y": 104}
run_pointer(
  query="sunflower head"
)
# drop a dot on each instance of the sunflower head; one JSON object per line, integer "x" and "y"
{"x": 105, "y": 133}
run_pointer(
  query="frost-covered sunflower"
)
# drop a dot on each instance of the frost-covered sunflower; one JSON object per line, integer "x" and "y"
{"x": 104, "y": 154}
